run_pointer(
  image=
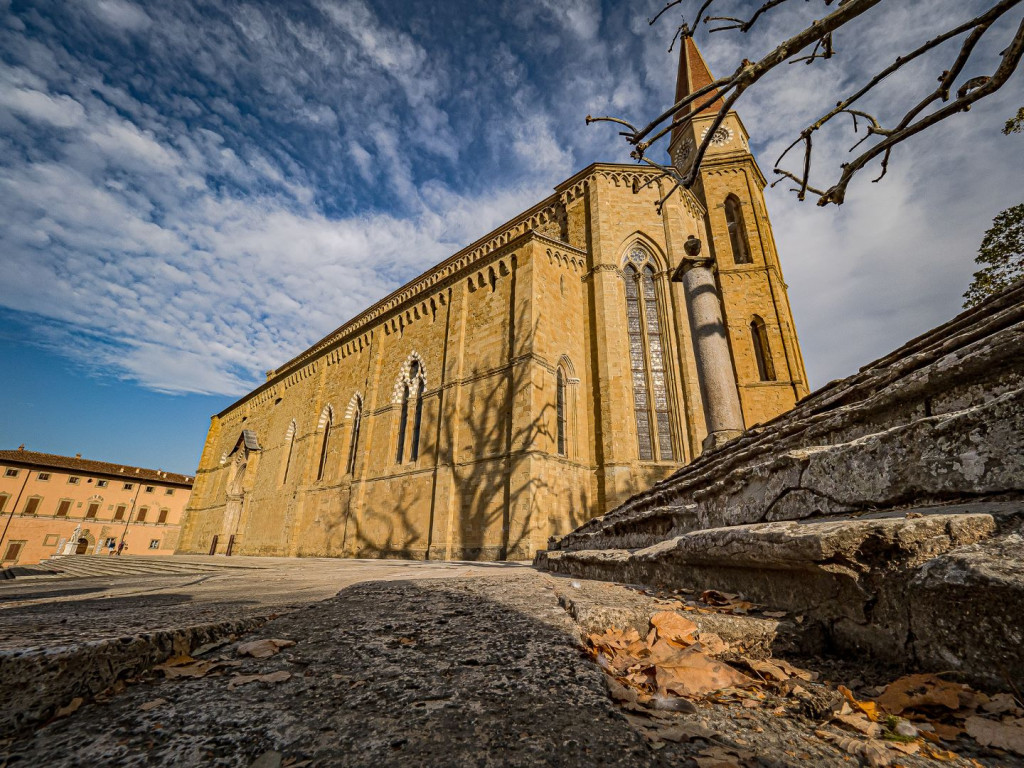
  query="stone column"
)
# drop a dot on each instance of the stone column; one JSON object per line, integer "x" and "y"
{"x": 715, "y": 370}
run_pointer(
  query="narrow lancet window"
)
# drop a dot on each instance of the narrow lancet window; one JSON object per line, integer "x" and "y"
{"x": 762, "y": 352}
{"x": 414, "y": 450}
{"x": 353, "y": 445}
{"x": 737, "y": 231}
{"x": 403, "y": 419}
{"x": 323, "y": 449}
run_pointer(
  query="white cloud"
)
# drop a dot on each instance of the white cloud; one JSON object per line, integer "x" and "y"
{"x": 195, "y": 216}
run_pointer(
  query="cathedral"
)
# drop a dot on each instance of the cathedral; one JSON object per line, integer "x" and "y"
{"x": 533, "y": 380}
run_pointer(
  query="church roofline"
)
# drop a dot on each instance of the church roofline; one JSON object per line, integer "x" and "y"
{"x": 332, "y": 340}
{"x": 446, "y": 268}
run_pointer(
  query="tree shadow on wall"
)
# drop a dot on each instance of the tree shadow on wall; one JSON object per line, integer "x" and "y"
{"x": 400, "y": 539}
{"x": 498, "y": 489}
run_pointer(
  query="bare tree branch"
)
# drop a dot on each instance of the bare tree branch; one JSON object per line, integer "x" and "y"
{"x": 814, "y": 43}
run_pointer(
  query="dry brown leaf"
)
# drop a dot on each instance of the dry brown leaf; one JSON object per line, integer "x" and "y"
{"x": 944, "y": 755}
{"x": 714, "y": 597}
{"x": 195, "y": 669}
{"x": 265, "y": 648}
{"x": 620, "y": 692}
{"x": 689, "y": 672}
{"x": 872, "y": 751}
{"x": 712, "y": 644}
{"x": 152, "y": 704}
{"x": 673, "y": 627}
{"x": 946, "y": 732}
{"x": 911, "y": 748}
{"x": 860, "y": 723}
{"x": 70, "y": 708}
{"x": 238, "y": 680}
{"x": 869, "y": 708}
{"x": 276, "y": 677}
{"x": 913, "y": 691}
{"x": 178, "y": 660}
{"x": 1000, "y": 703}
{"x": 774, "y": 614}
{"x": 716, "y": 762}
{"x": 767, "y": 669}
{"x": 273, "y": 677}
{"x": 992, "y": 733}
{"x": 794, "y": 671}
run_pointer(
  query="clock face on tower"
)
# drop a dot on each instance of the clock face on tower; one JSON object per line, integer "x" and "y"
{"x": 683, "y": 152}
{"x": 720, "y": 137}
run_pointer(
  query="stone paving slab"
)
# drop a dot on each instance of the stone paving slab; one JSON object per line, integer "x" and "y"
{"x": 482, "y": 671}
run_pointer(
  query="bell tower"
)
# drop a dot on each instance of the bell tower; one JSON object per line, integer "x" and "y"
{"x": 762, "y": 336}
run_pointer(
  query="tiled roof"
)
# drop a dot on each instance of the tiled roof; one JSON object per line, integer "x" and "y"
{"x": 89, "y": 467}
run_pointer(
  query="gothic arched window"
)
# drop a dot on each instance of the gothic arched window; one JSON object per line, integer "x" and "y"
{"x": 762, "y": 352}
{"x": 413, "y": 385}
{"x": 737, "y": 231}
{"x": 647, "y": 359}
{"x": 324, "y": 446}
{"x": 414, "y": 450}
{"x": 353, "y": 443}
{"x": 403, "y": 421}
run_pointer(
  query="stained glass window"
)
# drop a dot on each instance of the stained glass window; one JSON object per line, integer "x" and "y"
{"x": 647, "y": 359}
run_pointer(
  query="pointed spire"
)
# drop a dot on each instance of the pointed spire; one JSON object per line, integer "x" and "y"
{"x": 693, "y": 75}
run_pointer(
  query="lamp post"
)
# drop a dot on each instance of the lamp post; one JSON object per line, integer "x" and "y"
{"x": 715, "y": 373}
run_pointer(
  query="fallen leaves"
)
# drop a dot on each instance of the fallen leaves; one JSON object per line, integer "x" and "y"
{"x": 675, "y": 665}
{"x": 916, "y": 691}
{"x": 873, "y": 751}
{"x": 70, "y": 708}
{"x": 941, "y": 710}
{"x": 273, "y": 677}
{"x": 688, "y": 672}
{"x": 263, "y": 649}
{"x": 995, "y": 733}
{"x": 674, "y": 628}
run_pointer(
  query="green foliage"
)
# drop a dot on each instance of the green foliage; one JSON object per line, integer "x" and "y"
{"x": 1015, "y": 124}
{"x": 1001, "y": 255}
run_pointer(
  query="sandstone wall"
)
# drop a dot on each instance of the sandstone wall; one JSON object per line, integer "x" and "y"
{"x": 489, "y": 329}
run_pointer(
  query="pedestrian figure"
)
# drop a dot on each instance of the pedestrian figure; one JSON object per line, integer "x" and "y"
{"x": 120, "y": 548}
{"x": 110, "y": 547}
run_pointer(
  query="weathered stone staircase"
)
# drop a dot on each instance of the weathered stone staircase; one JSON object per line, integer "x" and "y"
{"x": 888, "y": 506}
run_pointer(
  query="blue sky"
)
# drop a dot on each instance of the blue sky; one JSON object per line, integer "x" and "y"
{"x": 194, "y": 192}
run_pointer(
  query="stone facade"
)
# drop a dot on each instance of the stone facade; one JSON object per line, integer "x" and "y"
{"x": 474, "y": 354}
{"x": 52, "y": 505}
{"x": 869, "y": 508}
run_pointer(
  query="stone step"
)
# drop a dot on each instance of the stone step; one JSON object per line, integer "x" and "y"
{"x": 941, "y": 419}
{"x": 873, "y": 582}
{"x": 639, "y": 529}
